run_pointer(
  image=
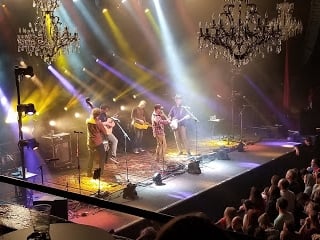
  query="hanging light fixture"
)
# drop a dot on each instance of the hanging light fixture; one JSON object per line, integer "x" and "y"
{"x": 46, "y": 37}
{"x": 240, "y": 32}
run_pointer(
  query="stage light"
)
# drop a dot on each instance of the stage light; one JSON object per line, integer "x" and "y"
{"x": 77, "y": 115}
{"x": 26, "y": 108}
{"x": 65, "y": 108}
{"x": 114, "y": 99}
{"x": 122, "y": 108}
{"x": 157, "y": 179}
{"x": 29, "y": 143}
{"x": 52, "y": 123}
{"x": 134, "y": 96}
{"x": 27, "y": 72}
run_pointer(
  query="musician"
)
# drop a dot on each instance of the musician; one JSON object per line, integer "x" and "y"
{"x": 179, "y": 116}
{"x": 158, "y": 120}
{"x": 109, "y": 123}
{"x": 138, "y": 115}
{"x": 95, "y": 135}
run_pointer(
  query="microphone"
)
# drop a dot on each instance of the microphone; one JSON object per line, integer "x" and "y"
{"x": 77, "y": 132}
{"x": 115, "y": 119}
{"x": 87, "y": 99}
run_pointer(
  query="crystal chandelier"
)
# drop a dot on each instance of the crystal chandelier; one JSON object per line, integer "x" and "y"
{"x": 46, "y": 37}
{"x": 241, "y": 33}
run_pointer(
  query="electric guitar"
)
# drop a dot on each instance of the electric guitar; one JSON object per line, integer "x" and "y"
{"x": 109, "y": 124}
{"x": 174, "y": 122}
{"x": 139, "y": 125}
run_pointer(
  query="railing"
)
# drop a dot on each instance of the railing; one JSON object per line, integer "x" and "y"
{"x": 159, "y": 217}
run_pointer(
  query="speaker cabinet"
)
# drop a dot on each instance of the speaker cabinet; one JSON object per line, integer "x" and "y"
{"x": 59, "y": 205}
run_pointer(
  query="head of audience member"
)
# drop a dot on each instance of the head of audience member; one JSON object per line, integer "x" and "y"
{"x": 264, "y": 221}
{"x": 148, "y": 233}
{"x": 282, "y": 204}
{"x": 236, "y": 224}
{"x": 190, "y": 226}
{"x": 314, "y": 166}
{"x": 228, "y": 214}
{"x": 275, "y": 179}
{"x": 274, "y": 192}
{"x": 309, "y": 180}
{"x": 288, "y": 231}
{"x": 283, "y": 184}
{"x": 291, "y": 175}
{"x": 307, "y": 141}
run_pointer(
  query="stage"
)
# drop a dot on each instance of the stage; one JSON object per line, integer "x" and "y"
{"x": 218, "y": 159}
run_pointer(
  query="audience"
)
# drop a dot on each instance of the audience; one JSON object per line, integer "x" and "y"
{"x": 288, "y": 209}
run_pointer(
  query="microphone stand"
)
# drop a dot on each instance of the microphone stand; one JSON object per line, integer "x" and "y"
{"x": 196, "y": 120}
{"x": 78, "y": 159}
{"x": 126, "y": 136}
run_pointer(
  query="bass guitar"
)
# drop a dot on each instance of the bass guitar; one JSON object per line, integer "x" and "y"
{"x": 109, "y": 124}
{"x": 175, "y": 122}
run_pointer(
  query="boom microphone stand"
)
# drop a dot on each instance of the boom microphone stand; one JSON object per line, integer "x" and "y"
{"x": 196, "y": 121}
{"x": 126, "y": 136}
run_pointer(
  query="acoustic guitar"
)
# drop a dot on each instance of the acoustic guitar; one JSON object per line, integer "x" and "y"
{"x": 109, "y": 124}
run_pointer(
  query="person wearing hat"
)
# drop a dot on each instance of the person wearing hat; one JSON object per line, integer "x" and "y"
{"x": 179, "y": 116}
{"x": 158, "y": 120}
{"x": 96, "y": 133}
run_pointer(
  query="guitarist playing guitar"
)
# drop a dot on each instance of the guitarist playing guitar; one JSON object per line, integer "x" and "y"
{"x": 139, "y": 123}
{"x": 108, "y": 123}
{"x": 178, "y": 116}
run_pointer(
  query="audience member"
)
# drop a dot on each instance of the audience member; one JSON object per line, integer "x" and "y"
{"x": 225, "y": 221}
{"x": 284, "y": 214}
{"x": 292, "y": 178}
{"x": 309, "y": 182}
{"x": 236, "y": 224}
{"x": 190, "y": 226}
{"x": 288, "y": 232}
{"x": 271, "y": 209}
{"x": 283, "y": 185}
{"x": 148, "y": 233}
{"x": 265, "y": 229}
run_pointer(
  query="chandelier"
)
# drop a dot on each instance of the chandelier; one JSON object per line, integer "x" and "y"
{"x": 46, "y": 37}
{"x": 240, "y": 33}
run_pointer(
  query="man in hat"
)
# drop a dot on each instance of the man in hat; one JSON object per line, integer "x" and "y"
{"x": 158, "y": 120}
{"x": 179, "y": 116}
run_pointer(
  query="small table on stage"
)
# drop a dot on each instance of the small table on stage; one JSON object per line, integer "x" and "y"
{"x": 64, "y": 231}
{"x": 214, "y": 121}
